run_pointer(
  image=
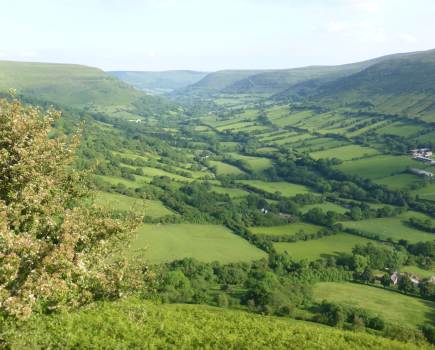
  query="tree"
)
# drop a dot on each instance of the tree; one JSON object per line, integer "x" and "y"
{"x": 250, "y": 304}
{"x": 368, "y": 276}
{"x": 55, "y": 249}
{"x": 222, "y": 300}
{"x": 357, "y": 323}
{"x": 356, "y": 213}
{"x": 385, "y": 281}
{"x": 406, "y": 285}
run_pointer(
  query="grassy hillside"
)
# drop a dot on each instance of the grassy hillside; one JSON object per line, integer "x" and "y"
{"x": 400, "y": 85}
{"x": 78, "y": 86}
{"x": 134, "y": 324}
{"x": 157, "y": 83}
{"x": 212, "y": 83}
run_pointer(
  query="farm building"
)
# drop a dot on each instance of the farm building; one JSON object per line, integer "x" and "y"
{"x": 395, "y": 278}
{"x": 421, "y": 172}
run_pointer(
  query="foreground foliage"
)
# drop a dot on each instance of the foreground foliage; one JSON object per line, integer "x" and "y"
{"x": 52, "y": 248}
{"x": 143, "y": 325}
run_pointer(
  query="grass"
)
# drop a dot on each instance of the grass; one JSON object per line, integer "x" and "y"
{"x": 286, "y": 188}
{"x": 325, "y": 207}
{"x": 397, "y": 228}
{"x": 345, "y": 153}
{"x": 401, "y": 128}
{"x": 232, "y": 192}
{"x": 417, "y": 271}
{"x": 398, "y": 182}
{"x": 223, "y": 168}
{"x": 204, "y": 242}
{"x": 396, "y": 308}
{"x": 322, "y": 248}
{"x": 260, "y": 164}
{"x": 288, "y": 230}
{"x": 155, "y": 208}
{"x": 379, "y": 166}
{"x": 427, "y": 192}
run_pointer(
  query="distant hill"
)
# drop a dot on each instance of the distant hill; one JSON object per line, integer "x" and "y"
{"x": 157, "y": 83}
{"x": 285, "y": 82}
{"x": 79, "y": 86}
{"x": 404, "y": 84}
{"x": 212, "y": 83}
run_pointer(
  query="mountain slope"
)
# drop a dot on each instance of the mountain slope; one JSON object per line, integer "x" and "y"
{"x": 399, "y": 85}
{"x": 78, "y": 86}
{"x": 155, "y": 83}
{"x": 211, "y": 83}
{"x": 308, "y": 77}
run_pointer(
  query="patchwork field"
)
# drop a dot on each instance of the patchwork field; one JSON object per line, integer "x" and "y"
{"x": 224, "y": 168}
{"x": 345, "y": 153}
{"x": 286, "y": 188}
{"x": 289, "y": 230}
{"x": 204, "y": 242}
{"x": 401, "y": 128}
{"x": 325, "y": 207}
{"x": 322, "y": 248}
{"x": 395, "y": 307}
{"x": 379, "y": 166}
{"x": 398, "y": 182}
{"x": 397, "y": 228}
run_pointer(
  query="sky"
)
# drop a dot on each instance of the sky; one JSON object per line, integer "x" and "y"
{"x": 204, "y": 35}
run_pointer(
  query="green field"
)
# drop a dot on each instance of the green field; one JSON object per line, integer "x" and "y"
{"x": 289, "y": 230}
{"x": 395, "y": 307}
{"x": 204, "y": 242}
{"x": 224, "y": 168}
{"x": 325, "y": 207}
{"x": 427, "y": 193}
{"x": 345, "y": 152}
{"x": 232, "y": 192}
{"x": 155, "y": 208}
{"x": 286, "y": 188}
{"x": 397, "y": 228}
{"x": 323, "y": 247}
{"x": 379, "y": 166}
{"x": 398, "y": 182}
{"x": 260, "y": 164}
{"x": 401, "y": 128}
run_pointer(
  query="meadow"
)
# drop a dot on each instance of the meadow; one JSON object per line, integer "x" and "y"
{"x": 324, "y": 247}
{"x": 204, "y": 242}
{"x": 232, "y": 192}
{"x": 401, "y": 128}
{"x": 286, "y": 188}
{"x": 397, "y": 228}
{"x": 427, "y": 193}
{"x": 289, "y": 230}
{"x": 155, "y": 208}
{"x": 397, "y": 308}
{"x": 224, "y": 168}
{"x": 345, "y": 152}
{"x": 398, "y": 182}
{"x": 379, "y": 166}
{"x": 325, "y": 207}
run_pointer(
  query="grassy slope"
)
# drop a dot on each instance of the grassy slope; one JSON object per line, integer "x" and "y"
{"x": 134, "y": 324}
{"x": 323, "y": 247}
{"x": 413, "y": 311}
{"x": 397, "y": 228}
{"x": 66, "y": 83}
{"x": 404, "y": 84}
{"x": 203, "y": 242}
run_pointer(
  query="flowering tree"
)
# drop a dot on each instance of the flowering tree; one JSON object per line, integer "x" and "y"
{"x": 52, "y": 256}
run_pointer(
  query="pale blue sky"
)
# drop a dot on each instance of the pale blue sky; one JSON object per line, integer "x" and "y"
{"x": 212, "y": 35}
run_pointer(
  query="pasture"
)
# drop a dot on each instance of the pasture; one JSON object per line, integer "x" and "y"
{"x": 401, "y": 128}
{"x": 379, "y": 166}
{"x": 427, "y": 192}
{"x": 223, "y": 168}
{"x": 155, "y": 208}
{"x": 204, "y": 242}
{"x": 322, "y": 248}
{"x": 397, "y": 308}
{"x": 232, "y": 192}
{"x": 325, "y": 207}
{"x": 287, "y": 189}
{"x": 289, "y": 230}
{"x": 345, "y": 152}
{"x": 397, "y": 182}
{"x": 397, "y": 228}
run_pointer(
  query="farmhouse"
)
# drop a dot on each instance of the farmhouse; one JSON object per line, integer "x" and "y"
{"x": 134, "y": 120}
{"x": 395, "y": 278}
{"x": 421, "y": 172}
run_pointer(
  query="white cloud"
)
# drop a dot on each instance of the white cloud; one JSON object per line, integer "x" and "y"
{"x": 365, "y": 25}
{"x": 406, "y": 37}
{"x": 107, "y": 56}
{"x": 151, "y": 55}
{"x": 372, "y": 7}
{"x": 336, "y": 27}
{"x": 2, "y": 54}
{"x": 380, "y": 38}
{"x": 29, "y": 54}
